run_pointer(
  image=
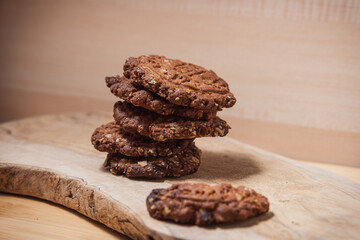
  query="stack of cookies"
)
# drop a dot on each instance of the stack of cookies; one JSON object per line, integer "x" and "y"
{"x": 165, "y": 105}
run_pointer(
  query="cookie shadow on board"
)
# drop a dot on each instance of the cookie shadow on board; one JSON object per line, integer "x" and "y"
{"x": 245, "y": 223}
{"x": 226, "y": 166}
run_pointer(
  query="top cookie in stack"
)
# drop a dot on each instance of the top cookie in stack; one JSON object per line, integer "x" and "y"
{"x": 167, "y": 101}
{"x": 191, "y": 91}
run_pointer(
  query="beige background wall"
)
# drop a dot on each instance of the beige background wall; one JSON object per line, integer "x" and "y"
{"x": 294, "y": 66}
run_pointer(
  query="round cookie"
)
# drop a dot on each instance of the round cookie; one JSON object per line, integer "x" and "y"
{"x": 112, "y": 139}
{"x": 202, "y": 204}
{"x": 177, "y": 165}
{"x": 180, "y": 83}
{"x": 161, "y": 128}
{"x": 130, "y": 92}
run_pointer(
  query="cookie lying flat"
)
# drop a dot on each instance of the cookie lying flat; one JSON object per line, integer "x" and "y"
{"x": 110, "y": 138}
{"x": 161, "y": 128}
{"x": 128, "y": 91}
{"x": 180, "y": 83}
{"x": 203, "y": 204}
{"x": 155, "y": 167}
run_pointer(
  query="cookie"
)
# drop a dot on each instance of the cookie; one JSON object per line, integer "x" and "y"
{"x": 179, "y": 82}
{"x": 203, "y": 204}
{"x": 130, "y": 92}
{"x": 176, "y": 165}
{"x": 160, "y": 128}
{"x": 112, "y": 139}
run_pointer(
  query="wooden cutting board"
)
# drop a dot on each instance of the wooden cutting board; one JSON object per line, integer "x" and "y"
{"x": 51, "y": 157}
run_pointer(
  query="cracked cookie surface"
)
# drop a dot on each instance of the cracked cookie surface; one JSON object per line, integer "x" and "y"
{"x": 202, "y": 204}
{"x": 160, "y": 128}
{"x": 112, "y": 139}
{"x": 130, "y": 92}
{"x": 179, "y": 82}
{"x": 177, "y": 165}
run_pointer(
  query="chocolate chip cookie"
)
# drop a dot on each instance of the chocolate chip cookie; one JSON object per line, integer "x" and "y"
{"x": 112, "y": 139}
{"x": 161, "y": 128}
{"x": 179, "y": 82}
{"x": 203, "y": 204}
{"x": 177, "y": 165}
{"x": 130, "y": 92}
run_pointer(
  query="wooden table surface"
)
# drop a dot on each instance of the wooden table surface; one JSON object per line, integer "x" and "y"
{"x": 23, "y": 217}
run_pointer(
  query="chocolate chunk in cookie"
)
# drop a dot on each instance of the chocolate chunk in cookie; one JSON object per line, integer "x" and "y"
{"x": 112, "y": 139}
{"x": 177, "y": 165}
{"x": 161, "y": 128}
{"x": 203, "y": 204}
{"x": 180, "y": 83}
{"x": 130, "y": 92}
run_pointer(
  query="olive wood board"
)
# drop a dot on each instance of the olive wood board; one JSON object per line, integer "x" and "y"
{"x": 51, "y": 157}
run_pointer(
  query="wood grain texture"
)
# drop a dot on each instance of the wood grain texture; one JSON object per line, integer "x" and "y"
{"x": 51, "y": 157}
{"x": 293, "y": 64}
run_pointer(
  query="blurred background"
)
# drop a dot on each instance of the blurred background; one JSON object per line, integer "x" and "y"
{"x": 294, "y": 66}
